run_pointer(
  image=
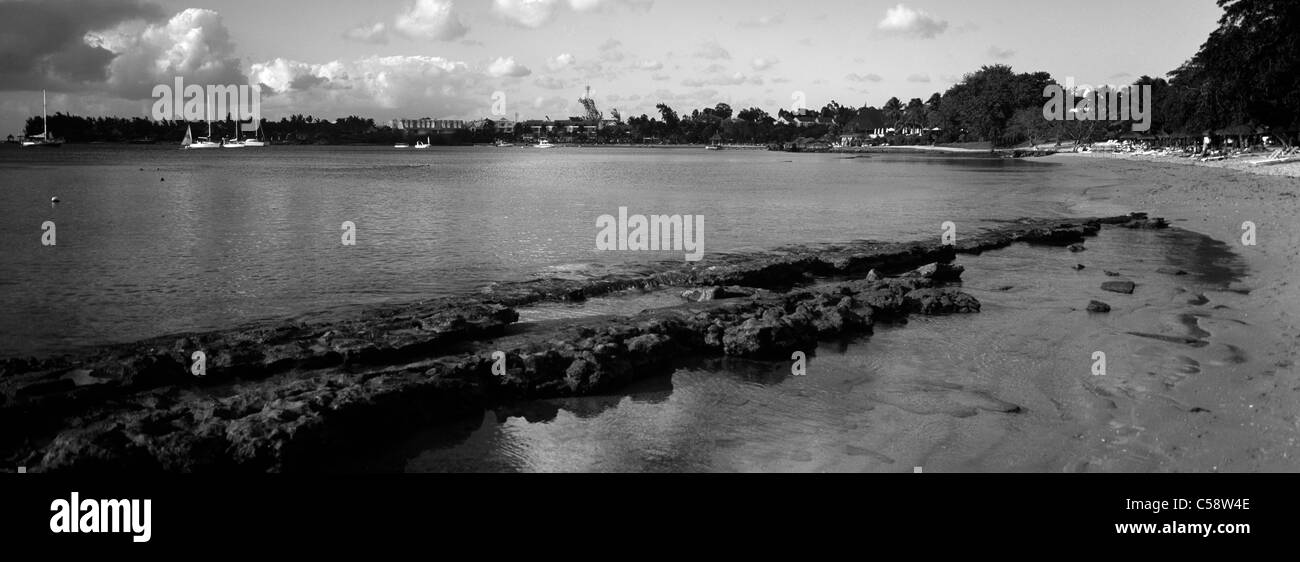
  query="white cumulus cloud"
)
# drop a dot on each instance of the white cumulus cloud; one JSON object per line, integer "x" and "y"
{"x": 537, "y": 13}
{"x": 431, "y": 19}
{"x": 906, "y": 21}
{"x": 507, "y": 67}
{"x": 193, "y": 44}
{"x": 373, "y": 33}
{"x": 560, "y": 61}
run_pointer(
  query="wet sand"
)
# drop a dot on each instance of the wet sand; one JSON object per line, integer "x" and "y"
{"x": 1254, "y": 423}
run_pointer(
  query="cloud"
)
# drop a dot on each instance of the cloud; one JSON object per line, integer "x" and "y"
{"x": 999, "y": 53}
{"x": 723, "y": 80}
{"x": 560, "y": 62}
{"x": 650, "y": 65}
{"x": 606, "y": 5}
{"x": 193, "y": 44}
{"x": 761, "y": 63}
{"x": 45, "y": 44}
{"x": 405, "y": 85}
{"x": 611, "y": 50}
{"x": 550, "y": 83}
{"x": 711, "y": 50}
{"x": 919, "y": 78}
{"x": 660, "y": 77}
{"x": 421, "y": 19}
{"x": 376, "y": 33}
{"x": 507, "y": 67}
{"x": 525, "y": 13}
{"x": 761, "y": 21}
{"x": 855, "y": 77}
{"x": 905, "y": 21}
{"x": 537, "y": 13}
{"x": 431, "y": 19}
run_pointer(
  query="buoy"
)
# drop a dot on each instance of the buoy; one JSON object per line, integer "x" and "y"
{"x": 54, "y": 200}
{"x": 162, "y": 179}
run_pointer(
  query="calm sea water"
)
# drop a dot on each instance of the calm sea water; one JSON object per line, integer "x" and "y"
{"x": 152, "y": 240}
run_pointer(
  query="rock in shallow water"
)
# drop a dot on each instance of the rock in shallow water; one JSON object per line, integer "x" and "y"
{"x": 1098, "y": 306}
{"x": 940, "y": 301}
{"x": 1125, "y": 287}
{"x": 941, "y": 272}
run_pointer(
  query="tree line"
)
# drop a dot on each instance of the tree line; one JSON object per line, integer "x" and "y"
{"x": 1244, "y": 79}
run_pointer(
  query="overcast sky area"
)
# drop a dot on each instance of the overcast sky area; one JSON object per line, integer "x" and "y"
{"x": 444, "y": 58}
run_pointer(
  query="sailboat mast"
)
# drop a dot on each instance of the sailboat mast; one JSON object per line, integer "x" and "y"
{"x": 45, "y": 120}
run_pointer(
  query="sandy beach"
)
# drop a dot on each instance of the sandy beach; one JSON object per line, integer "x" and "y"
{"x": 1255, "y": 426}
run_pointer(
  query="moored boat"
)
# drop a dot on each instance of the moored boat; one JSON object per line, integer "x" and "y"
{"x": 190, "y": 143}
{"x": 44, "y": 139}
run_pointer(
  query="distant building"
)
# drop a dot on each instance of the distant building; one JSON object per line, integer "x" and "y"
{"x": 427, "y": 124}
{"x": 538, "y": 127}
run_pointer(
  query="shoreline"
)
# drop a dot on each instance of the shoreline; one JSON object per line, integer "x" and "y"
{"x": 284, "y": 396}
{"x": 279, "y": 396}
{"x": 1215, "y": 199}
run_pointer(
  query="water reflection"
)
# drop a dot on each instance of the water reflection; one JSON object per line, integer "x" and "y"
{"x": 1005, "y": 390}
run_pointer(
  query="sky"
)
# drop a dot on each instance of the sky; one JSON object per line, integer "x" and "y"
{"x": 453, "y": 59}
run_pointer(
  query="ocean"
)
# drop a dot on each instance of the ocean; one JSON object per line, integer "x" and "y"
{"x": 153, "y": 240}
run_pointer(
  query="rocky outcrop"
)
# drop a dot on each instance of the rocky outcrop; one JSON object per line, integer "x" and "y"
{"x": 289, "y": 396}
{"x": 292, "y": 423}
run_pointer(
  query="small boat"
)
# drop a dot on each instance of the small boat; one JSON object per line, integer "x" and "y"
{"x": 228, "y": 143}
{"x": 401, "y": 145}
{"x": 715, "y": 143}
{"x": 254, "y": 141}
{"x": 424, "y": 144}
{"x": 190, "y": 143}
{"x": 44, "y": 139}
{"x": 544, "y": 144}
{"x": 504, "y": 144}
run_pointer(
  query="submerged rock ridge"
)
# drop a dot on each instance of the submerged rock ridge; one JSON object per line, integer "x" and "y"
{"x": 291, "y": 396}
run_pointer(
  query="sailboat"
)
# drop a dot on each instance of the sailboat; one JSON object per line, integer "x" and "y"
{"x": 236, "y": 143}
{"x": 44, "y": 138}
{"x": 203, "y": 142}
{"x": 255, "y": 141}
